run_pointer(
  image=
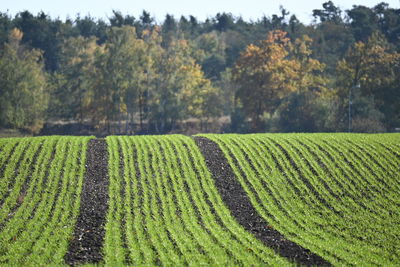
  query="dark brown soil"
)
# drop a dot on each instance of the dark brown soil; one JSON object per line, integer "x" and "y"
{"x": 236, "y": 199}
{"x": 86, "y": 245}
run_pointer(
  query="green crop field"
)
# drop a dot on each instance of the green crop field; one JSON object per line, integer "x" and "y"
{"x": 333, "y": 195}
{"x": 165, "y": 209}
{"x": 337, "y": 195}
{"x": 41, "y": 181}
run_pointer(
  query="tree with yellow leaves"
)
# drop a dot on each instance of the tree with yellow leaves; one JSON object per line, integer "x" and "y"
{"x": 269, "y": 72}
{"x": 307, "y": 70}
{"x": 179, "y": 88}
{"x": 75, "y": 87}
{"x": 305, "y": 109}
{"x": 23, "y": 86}
{"x": 263, "y": 75}
{"x": 200, "y": 97}
{"x": 372, "y": 69}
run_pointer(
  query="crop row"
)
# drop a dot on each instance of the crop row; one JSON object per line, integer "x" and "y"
{"x": 336, "y": 195}
{"x": 164, "y": 208}
{"x": 40, "y": 186}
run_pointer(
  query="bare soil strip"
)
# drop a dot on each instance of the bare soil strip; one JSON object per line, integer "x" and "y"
{"x": 236, "y": 199}
{"x": 86, "y": 245}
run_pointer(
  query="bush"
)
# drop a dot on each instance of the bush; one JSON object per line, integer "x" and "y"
{"x": 368, "y": 125}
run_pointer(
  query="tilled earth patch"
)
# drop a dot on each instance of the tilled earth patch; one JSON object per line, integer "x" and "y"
{"x": 86, "y": 245}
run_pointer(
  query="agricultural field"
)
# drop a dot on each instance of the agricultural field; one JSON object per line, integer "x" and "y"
{"x": 165, "y": 209}
{"x": 40, "y": 185}
{"x": 335, "y": 194}
{"x": 257, "y": 199}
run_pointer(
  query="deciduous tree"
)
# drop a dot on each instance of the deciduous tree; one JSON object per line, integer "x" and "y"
{"x": 375, "y": 68}
{"x": 264, "y": 75}
{"x": 75, "y": 80}
{"x": 23, "y": 86}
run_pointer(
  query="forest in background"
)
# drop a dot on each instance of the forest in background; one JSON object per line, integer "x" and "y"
{"x": 133, "y": 75}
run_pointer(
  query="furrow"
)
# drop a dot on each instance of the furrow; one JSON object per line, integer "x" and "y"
{"x": 270, "y": 237}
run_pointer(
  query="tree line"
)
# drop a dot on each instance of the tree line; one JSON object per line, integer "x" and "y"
{"x": 132, "y": 75}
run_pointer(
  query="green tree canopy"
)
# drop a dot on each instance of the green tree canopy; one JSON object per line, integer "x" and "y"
{"x": 23, "y": 91}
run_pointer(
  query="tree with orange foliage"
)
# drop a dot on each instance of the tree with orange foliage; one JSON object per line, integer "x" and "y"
{"x": 263, "y": 74}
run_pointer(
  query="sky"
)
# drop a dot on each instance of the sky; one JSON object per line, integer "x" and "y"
{"x": 201, "y": 9}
